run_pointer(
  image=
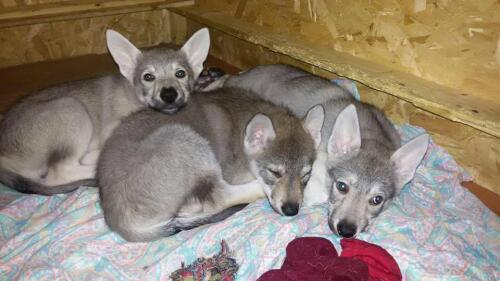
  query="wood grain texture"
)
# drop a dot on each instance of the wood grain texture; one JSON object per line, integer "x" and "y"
{"x": 58, "y": 40}
{"x": 75, "y": 9}
{"x": 476, "y": 151}
{"x": 490, "y": 199}
{"x": 454, "y": 103}
{"x": 44, "y": 31}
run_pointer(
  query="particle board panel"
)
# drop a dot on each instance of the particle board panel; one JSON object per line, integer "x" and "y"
{"x": 69, "y": 38}
{"x": 66, "y": 10}
{"x": 453, "y": 104}
{"x": 52, "y": 30}
{"x": 477, "y": 151}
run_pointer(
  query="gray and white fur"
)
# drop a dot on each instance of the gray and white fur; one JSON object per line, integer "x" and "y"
{"x": 361, "y": 165}
{"x": 161, "y": 174}
{"x": 50, "y": 141}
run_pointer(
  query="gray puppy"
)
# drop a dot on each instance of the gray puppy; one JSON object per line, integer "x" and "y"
{"x": 361, "y": 165}
{"x": 50, "y": 142}
{"x": 161, "y": 174}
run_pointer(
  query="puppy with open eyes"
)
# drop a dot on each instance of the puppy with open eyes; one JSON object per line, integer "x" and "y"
{"x": 361, "y": 164}
{"x": 50, "y": 141}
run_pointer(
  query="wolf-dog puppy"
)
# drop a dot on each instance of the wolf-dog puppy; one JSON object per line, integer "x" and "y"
{"x": 50, "y": 142}
{"x": 161, "y": 174}
{"x": 361, "y": 165}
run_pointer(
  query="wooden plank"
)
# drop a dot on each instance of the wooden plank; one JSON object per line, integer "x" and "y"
{"x": 490, "y": 199}
{"x": 61, "y": 39}
{"x": 240, "y": 8}
{"x": 50, "y": 12}
{"x": 451, "y": 104}
{"x": 476, "y": 151}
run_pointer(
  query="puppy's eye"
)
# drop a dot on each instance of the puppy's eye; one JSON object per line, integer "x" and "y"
{"x": 342, "y": 187}
{"x": 180, "y": 73}
{"x": 376, "y": 200}
{"x": 148, "y": 77}
{"x": 275, "y": 173}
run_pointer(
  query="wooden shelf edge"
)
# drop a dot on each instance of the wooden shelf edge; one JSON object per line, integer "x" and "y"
{"x": 488, "y": 197}
{"x": 50, "y": 12}
{"x": 442, "y": 101}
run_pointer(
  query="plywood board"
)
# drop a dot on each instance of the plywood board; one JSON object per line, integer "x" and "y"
{"x": 476, "y": 151}
{"x": 75, "y": 9}
{"x": 451, "y": 103}
{"x": 451, "y": 43}
{"x": 56, "y": 40}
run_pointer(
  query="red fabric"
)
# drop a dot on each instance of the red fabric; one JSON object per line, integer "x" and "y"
{"x": 381, "y": 264}
{"x": 315, "y": 258}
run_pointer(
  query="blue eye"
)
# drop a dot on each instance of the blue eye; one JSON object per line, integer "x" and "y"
{"x": 376, "y": 200}
{"x": 342, "y": 187}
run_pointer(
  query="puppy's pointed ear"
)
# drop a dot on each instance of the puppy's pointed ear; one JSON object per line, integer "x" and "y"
{"x": 196, "y": 50}
{"x": 407, "y": 158}
{"x": 346, "y": 135}
{"x": 313, "y": 122}
{"x": 123, "y": 52}
{"x": 258, "y": 133}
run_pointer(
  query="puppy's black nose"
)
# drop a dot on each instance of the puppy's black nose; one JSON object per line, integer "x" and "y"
{"x": 290, "y": 209}
{"x": 168, "y": 95}
{"x": 346, "y": 229}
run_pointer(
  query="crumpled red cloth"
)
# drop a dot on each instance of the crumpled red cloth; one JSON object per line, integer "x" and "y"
{"x": 315, "y": 258}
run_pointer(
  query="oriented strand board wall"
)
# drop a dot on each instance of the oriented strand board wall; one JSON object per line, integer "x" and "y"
{"x": 56, "y": 37}
{"x": 455, "y": 43}
{"x": 477, "y": 152}
{"x": 56, "y": 40}
{"x": 17, "y": 3}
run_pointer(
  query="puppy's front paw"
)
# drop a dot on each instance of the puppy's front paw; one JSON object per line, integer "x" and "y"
{"x": 207, "y": 78}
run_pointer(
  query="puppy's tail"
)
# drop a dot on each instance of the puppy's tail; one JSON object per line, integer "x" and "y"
{"x": 191, "y": 222}
{"x": 29, "y": 186}
{"x": 175, "y": 225}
